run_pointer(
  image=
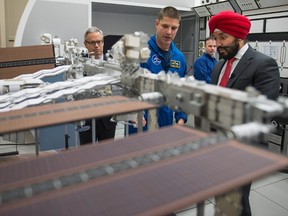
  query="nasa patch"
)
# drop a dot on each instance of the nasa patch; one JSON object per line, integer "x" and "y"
{"x": 156, "y": 60}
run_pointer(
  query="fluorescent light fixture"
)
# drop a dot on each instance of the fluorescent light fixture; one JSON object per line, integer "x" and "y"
{"x": 218, "y": 7}
{"x": 202, "y": 11}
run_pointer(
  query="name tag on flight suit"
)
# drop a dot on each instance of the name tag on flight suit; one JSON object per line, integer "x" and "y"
{"x": 174, "y": 64}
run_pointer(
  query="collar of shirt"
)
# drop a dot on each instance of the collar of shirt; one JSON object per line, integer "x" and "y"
{"x": 97, "y": 61}
{"x": 209, "y": 56}
{"x": 238, "y": 56}
{"x": 241, "y": 52}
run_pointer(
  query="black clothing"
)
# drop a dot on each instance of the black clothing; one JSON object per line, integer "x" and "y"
{"x": 105, "y": 129}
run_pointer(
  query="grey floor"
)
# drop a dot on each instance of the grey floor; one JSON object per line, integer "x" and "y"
{"x": 269, "y": 195}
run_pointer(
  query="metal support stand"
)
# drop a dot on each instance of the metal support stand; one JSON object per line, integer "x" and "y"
{"x": 126, "y": 130}
{"x": 66, "y": 137}
{"x": 139, "y": 121}
{"x": 228, "y": 203}
{"x": 93, "y": 131}
{"x": 9, "y": 153}
{"x": 152, "y": 120}
{"x": 76, "y": 137}
{"x": 285, "y": 141}
{"x": 205, "y": 125}
{"x": 200, "y": 209}
{"x": 285, "y": 145}
{"x": 37, "y": 133}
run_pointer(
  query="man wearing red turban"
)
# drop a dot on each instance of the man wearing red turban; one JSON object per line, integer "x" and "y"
{"x": 247, "y": 67}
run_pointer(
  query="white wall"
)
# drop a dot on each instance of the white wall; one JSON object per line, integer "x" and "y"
{"x": 126, "y": 23}
{"x": 2, "y": 25}
{"x": 66, "y": 19}
{"x": 13, "y": 10}
{"x": 275, "y": 21}
{"x": 70, "y": 18}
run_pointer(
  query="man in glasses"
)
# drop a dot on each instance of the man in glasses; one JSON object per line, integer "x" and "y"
{"x": 105, "y": 129}
{"x": 94, "y": 42}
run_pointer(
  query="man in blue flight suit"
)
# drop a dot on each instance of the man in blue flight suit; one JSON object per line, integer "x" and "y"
{"x": 204, "y": 65}
{"x": 165, "y": 57}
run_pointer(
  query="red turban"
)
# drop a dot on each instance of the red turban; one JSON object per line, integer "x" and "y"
{"x": 231, "y": 23}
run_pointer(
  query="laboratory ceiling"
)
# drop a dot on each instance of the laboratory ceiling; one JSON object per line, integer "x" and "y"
{"x": 128, "y": 9}
{"x": 184, "y": 5}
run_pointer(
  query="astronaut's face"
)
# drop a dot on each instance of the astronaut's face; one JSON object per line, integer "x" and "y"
{"x": 166, "y": 30}
{"x": 210, "y": 47}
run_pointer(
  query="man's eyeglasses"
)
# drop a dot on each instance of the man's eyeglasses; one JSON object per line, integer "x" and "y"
{"x": 99, "y": 43}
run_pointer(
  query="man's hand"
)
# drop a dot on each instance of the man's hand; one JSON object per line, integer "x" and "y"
{"x": 181, "y": 122}
{"x": 143, "y": 121}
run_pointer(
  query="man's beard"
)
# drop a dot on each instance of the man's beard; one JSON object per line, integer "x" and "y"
{"x": 231, "y": 50}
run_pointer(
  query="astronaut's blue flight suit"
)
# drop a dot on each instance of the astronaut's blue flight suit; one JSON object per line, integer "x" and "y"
{"x": 173, "y": 61}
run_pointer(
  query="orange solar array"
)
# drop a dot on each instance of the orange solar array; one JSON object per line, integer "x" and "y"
{"x": 53, "y": 114}
{"x": 16, "y": 61}
{"x": 151, "y": 173}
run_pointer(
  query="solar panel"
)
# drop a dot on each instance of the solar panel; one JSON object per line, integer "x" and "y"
{"x": 53, "y": 114}
{"x": 151, "y": 173}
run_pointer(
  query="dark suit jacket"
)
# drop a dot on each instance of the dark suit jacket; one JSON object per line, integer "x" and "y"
{"x": 254, "y": 69}
{"x": 257, "y": 70}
